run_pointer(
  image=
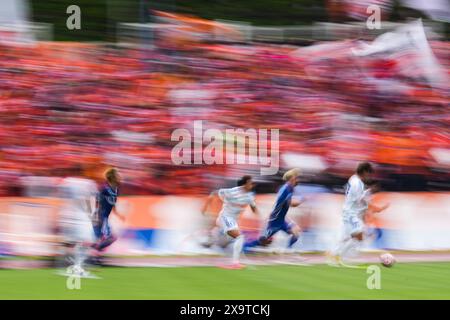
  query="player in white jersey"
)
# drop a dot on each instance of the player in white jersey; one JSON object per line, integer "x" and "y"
{"x": 357, "y": 198}
{"x": 78, "y": 195}
{"x": 235, "y": 200}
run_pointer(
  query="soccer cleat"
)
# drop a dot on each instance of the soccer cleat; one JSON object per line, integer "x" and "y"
{"x": 85, "y": 274}
{"x": 76, "y": 272}
{"x": 352, "y": 266}
{"x": 206, "y": 244}
{"x": 233, "y": 266}
{"x": 82, "y": 273}
{"x": 334, "y": 260}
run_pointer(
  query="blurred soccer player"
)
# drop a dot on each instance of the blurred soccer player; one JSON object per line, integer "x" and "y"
{"x": 373, "y": 231}
{"x": 277, "y": 220}
{"x": 235, "y": 200}
{"x": 106, "y": 202}
{"x": 76, "y": 211}
{"x": 356, "y": 203}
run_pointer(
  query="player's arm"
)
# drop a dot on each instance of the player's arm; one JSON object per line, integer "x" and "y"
{"x": 285, "y": 197}
{"x": 208, "y": 201}
{"x": 95, "y": 217}
{"x": 254, "y": 209}
{"x": 120, "y": 216}
{"x": 297, "y": 201}
{"x": 97, "y": 207}
{"x": 375, "y": 209}
{"x": 373, "y": 188}
{"x": 364, "y": 195}
{"x": 89, "y": 207}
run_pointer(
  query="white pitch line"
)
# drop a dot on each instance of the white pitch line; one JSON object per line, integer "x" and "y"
{"x": 66, "y": 274}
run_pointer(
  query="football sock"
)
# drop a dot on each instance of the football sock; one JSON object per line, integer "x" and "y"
{"x": 238, "y": 243}
{"x": 292, "y": 240}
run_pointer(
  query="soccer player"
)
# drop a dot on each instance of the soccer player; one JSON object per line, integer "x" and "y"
{"x": 277, "y": 220}
{"x": 356, "y": 203}
{"x": 373, "y": 231}
{"x": 106, "y": 202}
{"x": 235, "y": 200}
{"x": 75, "y": 218}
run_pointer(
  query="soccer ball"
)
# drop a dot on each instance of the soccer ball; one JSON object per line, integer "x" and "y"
{"x": 387, "y": 260}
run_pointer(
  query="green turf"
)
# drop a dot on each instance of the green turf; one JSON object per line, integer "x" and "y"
{"x": 404, "y": 281}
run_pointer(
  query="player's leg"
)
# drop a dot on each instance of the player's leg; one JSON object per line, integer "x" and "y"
{"x": 293, "y": 230}
{"x": 212, "y": 233}
{"x": 98, "y": 230}
{"x": 83, "y": 238}
{"x": 238, "y": 244}
{"x": 355, "y": 243}
{"x": 107, "y": 237}
{"x": 95, "y": 257}
{"x": 265, "y": 239}
{"x": 80, "y": 255}
{"x": 355, "y": 236}
{"x": 253, "y": 243}
{"x": 231, "y": 229}
{"x": 334, "y": 256}
{"x": 347, "y": 245}
{"x": 68, "y": 232}
{"x": 106, "y": 242}
{"x": 74, "y": 235}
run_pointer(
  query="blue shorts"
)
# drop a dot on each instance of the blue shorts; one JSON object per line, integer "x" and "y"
{"x": 273, "y": 228}
{"x": 102, "y": 230}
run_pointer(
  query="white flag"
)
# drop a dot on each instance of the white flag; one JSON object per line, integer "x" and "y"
{"x": 408, "y": 40}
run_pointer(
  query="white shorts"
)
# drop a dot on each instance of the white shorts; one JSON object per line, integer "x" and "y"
{"x": 76, "y": 230}
{"x": 353, "y": 224}
{"x": 227, "y": 223}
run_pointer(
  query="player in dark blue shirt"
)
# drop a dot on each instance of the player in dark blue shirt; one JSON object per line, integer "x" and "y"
{"x": 106, "y": 201}
{"x": 277, "y": 220}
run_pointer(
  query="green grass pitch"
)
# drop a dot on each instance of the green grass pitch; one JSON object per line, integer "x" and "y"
{"x": 403, "y": 281}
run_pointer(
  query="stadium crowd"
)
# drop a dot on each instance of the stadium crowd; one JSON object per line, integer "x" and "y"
{"x": 69, "y": 104}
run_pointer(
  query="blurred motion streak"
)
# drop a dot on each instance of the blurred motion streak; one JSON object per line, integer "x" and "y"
{"x": 67, "y": 104}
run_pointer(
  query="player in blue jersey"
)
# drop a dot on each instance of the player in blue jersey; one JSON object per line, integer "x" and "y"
{"x": 106, "y": 202}
{"x": 277, "y": 220}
